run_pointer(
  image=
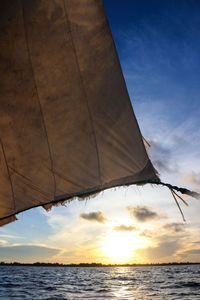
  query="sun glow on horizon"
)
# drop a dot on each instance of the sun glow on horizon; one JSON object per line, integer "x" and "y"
{"x": 119, "y": 247}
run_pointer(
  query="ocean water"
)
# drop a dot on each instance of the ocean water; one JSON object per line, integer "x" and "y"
{"x": 158, "y": 282}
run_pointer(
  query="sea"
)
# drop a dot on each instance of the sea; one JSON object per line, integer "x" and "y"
{"x": 150, "y": 282}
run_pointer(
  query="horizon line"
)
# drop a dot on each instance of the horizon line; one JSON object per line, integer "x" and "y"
{"x": 94, "y": 264}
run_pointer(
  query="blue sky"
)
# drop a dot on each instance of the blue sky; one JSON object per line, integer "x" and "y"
{"x": 158, "y": 43}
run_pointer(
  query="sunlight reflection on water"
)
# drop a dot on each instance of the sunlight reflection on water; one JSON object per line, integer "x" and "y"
{"x": 123, "y": 293}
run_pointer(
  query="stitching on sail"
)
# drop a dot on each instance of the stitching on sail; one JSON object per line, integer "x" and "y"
{"x": 67, "y": 179}
{"x": 84, "y": 91}
{"x": 40, "y": 106}
{"x": 9, "y": 175}
{"x": 125, "y": 147}
{"x": 31, "y": 185}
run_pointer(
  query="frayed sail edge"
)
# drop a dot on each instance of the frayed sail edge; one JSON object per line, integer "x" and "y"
{"x": 8, "y": 220}
{"x": 89, "y": 195}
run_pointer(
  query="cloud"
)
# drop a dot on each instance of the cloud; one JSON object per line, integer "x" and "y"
{"x": 192, "y": 251}
{"x": 191, "y": 178}
{"x": 125, "y": 228}
{"x": 9, "y": 236}
{"x": 191, "y": 255}
{"x": 162, "y": 250}
{"x": 95, "y": 216}
{"x": 174, "y": 227}
{"x": 67, "y": 254}
{"x": 26, "y": 253}
{"x": 163, "y": 155}
{"x": 146, "y": 233}
{"x": 160, "y": 156}
{"x": 197, "y": 242}
{"x": 3, "y": 242}
{"x": 142, "y": 213}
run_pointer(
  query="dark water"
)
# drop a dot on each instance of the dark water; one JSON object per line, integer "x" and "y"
{"x": 160, "y": 282}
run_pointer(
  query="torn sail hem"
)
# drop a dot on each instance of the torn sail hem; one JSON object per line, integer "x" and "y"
{"x": 86, "y": 194}
{"x": 91, "y": 192}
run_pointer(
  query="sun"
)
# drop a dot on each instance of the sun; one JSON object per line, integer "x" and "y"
{"x": 119, "y": 246}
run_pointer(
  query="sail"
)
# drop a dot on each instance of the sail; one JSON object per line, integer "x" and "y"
{"x": 67, "y": 127}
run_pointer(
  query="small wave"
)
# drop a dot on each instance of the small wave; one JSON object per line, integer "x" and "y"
{"x": 50, "y": 288}
{"x": 10, "y": 285}
{"x": 181, "y": 285}
{"x": 102, "y": 291}
{"x": 123, "y": 278}
{"x": 192, "y": 284}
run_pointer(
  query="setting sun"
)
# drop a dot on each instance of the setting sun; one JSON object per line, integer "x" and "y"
{"x": 119, "y": 246}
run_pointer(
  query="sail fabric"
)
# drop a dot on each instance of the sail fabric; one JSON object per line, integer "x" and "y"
{"x": 67, "y": 127}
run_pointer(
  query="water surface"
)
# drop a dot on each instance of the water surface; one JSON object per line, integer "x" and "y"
{"x": 156, "y": 282}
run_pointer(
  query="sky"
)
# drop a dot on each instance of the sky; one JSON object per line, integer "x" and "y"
{"x": 158, "y": 43}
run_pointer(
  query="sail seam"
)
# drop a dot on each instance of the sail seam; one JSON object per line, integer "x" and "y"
{"x": 84, "y": 91}
{"x": 30, "y": 184}
{"x": 9, "y": 175}
{"x": 40, "y": 106}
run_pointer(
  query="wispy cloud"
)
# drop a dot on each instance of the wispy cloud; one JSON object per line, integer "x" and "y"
{"x": 95, "y": 216}
{"x": 161, "y": 157}
{"x": 192, "y": 178}
{"x": 27, "y": 252}
{"x": 10, "y": 236}
{"x": 190, "y": 254}
{"x": 142, "y": 213}
{"x": 174, "y": 227}
{"x": 164, "y": 250}
{"x": 192, "y": 251}
{"x": 3, "y": 242}
{"x": 146, "y": 233}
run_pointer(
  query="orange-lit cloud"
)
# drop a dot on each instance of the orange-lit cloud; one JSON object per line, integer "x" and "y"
{"x": 164, "y": 250}
{"x": 125, "y": 228}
